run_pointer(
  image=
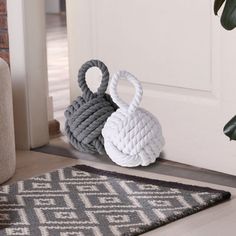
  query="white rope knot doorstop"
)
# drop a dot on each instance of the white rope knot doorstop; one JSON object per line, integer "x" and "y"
{"x": 132, "y": 135}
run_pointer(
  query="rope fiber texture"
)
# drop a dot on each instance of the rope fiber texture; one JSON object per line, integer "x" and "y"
{"x": 132, "y": 135}
{"x": 86, "y": 116}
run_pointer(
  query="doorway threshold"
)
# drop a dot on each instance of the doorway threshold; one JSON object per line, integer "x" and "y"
{"x": 61, "y": 147}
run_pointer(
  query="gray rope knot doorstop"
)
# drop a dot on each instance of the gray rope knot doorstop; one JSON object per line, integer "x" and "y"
{"x": 86, "y": 116}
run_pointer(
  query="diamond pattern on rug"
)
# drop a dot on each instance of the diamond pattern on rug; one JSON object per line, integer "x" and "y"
{"x": 82, "y": 200}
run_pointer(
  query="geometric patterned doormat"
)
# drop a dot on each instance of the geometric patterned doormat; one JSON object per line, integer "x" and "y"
{"x": 82, "y": 200}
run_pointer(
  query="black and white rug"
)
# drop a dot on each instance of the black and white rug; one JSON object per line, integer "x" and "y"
{"x": 82, "y": 200}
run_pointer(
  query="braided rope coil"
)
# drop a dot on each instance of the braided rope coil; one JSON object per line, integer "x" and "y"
{"x": 86, "y": 116}
{"x": 132, "y": 135}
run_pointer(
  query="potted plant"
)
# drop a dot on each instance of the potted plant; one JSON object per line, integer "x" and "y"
{"x": 228, "y": 21}
{"x": 228, "y": 17}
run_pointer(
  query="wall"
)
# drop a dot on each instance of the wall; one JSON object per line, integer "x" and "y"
{"x": 4, "y": 44}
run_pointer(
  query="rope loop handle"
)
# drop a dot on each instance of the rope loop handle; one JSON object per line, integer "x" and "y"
{"x": 87, "y": 93}
{"x": 138, "y": 91}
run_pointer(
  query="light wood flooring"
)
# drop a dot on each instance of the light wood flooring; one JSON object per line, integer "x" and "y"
{"x": 58, "y": 69}
{"x": 215, "y": 221}
{"x": 219, "y": 220}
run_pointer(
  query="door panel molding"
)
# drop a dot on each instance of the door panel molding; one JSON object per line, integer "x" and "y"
{"x": 132, "y": 31}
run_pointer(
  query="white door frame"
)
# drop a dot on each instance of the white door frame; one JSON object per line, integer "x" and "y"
{"x": 28, "y": 61}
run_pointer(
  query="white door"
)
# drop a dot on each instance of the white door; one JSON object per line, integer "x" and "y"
{"x": 186, "y": 62}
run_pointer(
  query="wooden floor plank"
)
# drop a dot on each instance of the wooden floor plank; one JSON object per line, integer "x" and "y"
{"x": 58, "y": 69}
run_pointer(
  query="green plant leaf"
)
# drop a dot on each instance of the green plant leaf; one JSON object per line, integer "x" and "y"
{"x": 217, "y": 5}
{"x": 230, "y": 129}
{"x": 228, "y": 18}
